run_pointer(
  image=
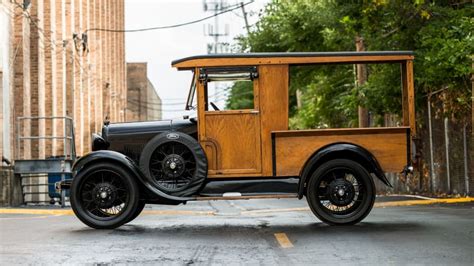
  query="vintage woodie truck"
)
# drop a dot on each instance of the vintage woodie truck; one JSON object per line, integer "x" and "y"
{"x": 244, "y": 154}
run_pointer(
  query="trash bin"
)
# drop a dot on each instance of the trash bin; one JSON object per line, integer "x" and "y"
{"x": 56, "y": 177}
{"x": 52, "y": 179}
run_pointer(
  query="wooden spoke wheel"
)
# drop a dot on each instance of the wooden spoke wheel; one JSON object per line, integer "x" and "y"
{"x": 341, "y": 192}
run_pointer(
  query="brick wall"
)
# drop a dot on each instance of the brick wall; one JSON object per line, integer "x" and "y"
{"x": 56, "y": 74}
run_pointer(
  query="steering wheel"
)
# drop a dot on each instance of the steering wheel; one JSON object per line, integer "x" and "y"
{"x": 214, "y": 106}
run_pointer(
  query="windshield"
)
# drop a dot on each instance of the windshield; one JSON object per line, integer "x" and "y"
{"x": 192, "y": 91}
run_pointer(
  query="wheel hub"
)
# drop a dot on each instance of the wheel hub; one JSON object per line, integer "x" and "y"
{"x": 104, "y": 195}
{"x": 173, "y": 166}
{"x": 341, "y": 192}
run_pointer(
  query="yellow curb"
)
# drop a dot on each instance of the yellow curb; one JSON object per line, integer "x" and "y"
{"x": 36, "y": 211}
{"x": 422, "y": 202}
{"x": 376, "y": 205}
{"x": 212, "y": 213}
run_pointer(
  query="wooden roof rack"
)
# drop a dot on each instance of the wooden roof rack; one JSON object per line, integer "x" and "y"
{"x": 291, "y": 58}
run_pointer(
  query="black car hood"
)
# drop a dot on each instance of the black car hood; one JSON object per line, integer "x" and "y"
{"x": 147, "y": 127}
{"x": 137, "y": 127}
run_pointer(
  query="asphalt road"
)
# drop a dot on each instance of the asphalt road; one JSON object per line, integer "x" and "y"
{"x": 266, "y": 232}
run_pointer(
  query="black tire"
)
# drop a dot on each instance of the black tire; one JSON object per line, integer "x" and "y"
{"x": 104, "y": 195}
{"x": 190, "y": 171}
{"x": 139, "y": 210}
{"x": 341, "y": 192}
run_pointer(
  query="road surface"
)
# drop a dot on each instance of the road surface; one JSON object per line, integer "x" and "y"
{"x": 266, "y": 232}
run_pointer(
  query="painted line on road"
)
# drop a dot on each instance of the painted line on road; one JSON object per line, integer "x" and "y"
{"x": 283, "y": 240}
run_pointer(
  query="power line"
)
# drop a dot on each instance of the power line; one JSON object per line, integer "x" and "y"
{"x": 234, "y": 7}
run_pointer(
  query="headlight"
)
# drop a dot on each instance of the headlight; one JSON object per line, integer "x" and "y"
{"x": 98, "y": 143}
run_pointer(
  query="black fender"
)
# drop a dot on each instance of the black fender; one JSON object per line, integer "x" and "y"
{"x": 125, "y": 161}
{"x": 341, "y": 150}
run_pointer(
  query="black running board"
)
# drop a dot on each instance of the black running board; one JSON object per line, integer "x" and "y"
{"x": 239, "y": 196}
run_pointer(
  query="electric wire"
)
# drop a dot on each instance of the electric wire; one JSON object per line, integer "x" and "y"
{"x": 232, "y": 8}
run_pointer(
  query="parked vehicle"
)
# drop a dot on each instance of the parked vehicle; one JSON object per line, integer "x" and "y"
{"x": 250, "y": 152}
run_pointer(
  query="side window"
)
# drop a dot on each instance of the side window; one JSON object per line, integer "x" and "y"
{"x": 229, "y": 88}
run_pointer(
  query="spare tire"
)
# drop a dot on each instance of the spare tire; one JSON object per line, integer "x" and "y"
{"x": 174, "y": 163}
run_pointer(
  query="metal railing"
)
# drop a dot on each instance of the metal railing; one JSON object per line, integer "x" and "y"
{"x": 67, "y": 137}
{"x": 34, "y": 168}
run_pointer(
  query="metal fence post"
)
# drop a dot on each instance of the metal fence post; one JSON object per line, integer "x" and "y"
{"x": 466, "y": 175}
{"x": 446, "y": 138}
{"x": 430, "y": 132}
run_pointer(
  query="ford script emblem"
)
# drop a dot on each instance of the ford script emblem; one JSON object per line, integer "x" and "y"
{"x": 172, "y": 136}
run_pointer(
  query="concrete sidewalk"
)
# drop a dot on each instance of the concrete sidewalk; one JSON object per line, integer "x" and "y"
{"x": 381, "y": 202}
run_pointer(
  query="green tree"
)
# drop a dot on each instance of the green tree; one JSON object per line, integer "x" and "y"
{"x": 440, "y": 33}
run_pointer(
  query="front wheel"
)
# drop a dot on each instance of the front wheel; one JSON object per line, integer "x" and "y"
{"x": 104, "y": 196}
{"x": 341, "y": 192}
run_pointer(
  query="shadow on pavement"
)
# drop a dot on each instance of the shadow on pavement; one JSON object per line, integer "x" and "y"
{"x": 230, "y": 229}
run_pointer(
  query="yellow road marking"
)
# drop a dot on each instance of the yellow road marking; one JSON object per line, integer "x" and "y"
{"x": 283, "y": 240}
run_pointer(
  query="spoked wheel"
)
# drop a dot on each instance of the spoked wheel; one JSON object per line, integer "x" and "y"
{"x": 172, "y": 166}
{"x": 174, "y": 163}
{"x": 341, "y": 192}
{"x": 141, "y": 206}
{"x": 104, "y": 196}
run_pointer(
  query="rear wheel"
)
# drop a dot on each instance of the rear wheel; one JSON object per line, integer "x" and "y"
{"x": 104, "y": 196}
{"x": 341, "y": 192}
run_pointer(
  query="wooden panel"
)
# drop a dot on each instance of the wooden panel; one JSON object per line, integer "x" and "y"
{"x": 294, "y": 148}
{"x": 273, "y": 87}
{"x": 246, "y": 61}
{"x": 408, "y": 96}
{"x": 237, "y": 139}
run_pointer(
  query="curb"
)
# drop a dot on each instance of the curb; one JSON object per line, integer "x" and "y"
{"x": 212, "y": 213}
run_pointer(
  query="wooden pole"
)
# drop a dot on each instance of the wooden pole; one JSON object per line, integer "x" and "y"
{"x": 361, "y": 80}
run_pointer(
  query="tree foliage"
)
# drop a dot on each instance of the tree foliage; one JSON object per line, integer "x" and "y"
{"x": 440, "y": 33}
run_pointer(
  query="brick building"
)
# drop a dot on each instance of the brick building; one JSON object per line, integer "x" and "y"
{"x": 143, "y": 102}
{"x": 55, "y": 63}
{"x": 59, "y": 65}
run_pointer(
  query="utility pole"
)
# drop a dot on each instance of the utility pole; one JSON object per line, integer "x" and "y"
{"x": 361, "y": 80}
{"x": 216, "y": 6}
{"x": 245, "y": 18}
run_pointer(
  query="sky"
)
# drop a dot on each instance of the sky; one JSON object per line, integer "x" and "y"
{"x": 158, "y": 48}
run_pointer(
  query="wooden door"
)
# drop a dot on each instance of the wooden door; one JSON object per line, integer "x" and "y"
{"x": 232, "y": 142}
{"x": 230, "y": 138}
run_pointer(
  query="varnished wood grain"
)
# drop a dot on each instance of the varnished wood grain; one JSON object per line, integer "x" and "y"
{"x": 408, "y": 96}
{"x": 294, "y": 148}
{"x": 242, "y": 61}
{"x": 237, "y": 137}
{"x": 273, "y": 88}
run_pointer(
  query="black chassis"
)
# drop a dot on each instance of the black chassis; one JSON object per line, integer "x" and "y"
{"x": 123, "y": 142}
